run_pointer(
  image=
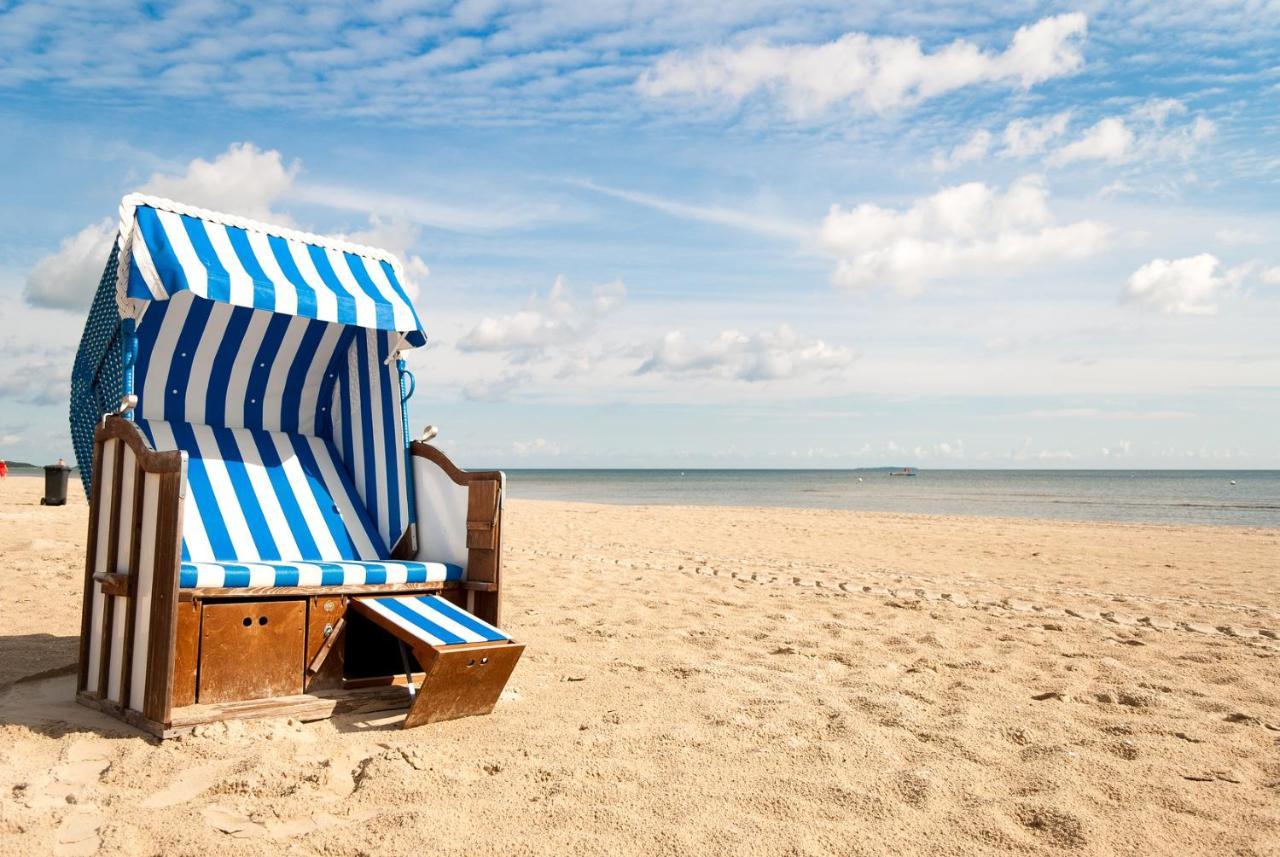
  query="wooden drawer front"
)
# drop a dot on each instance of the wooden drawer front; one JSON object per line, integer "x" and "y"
{"x": 252, "y": 650}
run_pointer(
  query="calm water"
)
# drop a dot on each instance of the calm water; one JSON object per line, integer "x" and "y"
{"x": 1155, "y": 496}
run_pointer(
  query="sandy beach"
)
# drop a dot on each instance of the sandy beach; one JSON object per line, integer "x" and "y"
{"x": 722, "y": 681}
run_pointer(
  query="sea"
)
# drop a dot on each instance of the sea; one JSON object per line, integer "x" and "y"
{"x": 1222, "y": 497}
{"x": 1248, "y": 498}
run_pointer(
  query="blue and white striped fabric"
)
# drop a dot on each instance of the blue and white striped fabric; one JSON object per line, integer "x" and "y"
{"x": 368, "y": 432}
{"x": 256, "y": 495}
{"x": 259, "y": 267}
{"x": 203, "y": 363}
{"x": 433, "y": 620}
{"x": 248, "y": 574}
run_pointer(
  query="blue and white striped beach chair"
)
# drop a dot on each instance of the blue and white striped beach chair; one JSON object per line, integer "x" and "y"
{"x": 241, "y": 391}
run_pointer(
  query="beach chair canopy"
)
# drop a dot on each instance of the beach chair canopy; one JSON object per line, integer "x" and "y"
{"x": 271, "y": 357}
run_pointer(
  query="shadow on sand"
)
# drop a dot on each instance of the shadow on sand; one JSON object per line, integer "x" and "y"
{"x": 38, "y": 688}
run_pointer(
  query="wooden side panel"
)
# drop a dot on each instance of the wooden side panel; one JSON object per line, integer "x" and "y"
{"x": 461, "y": 681}
{"x": 135, "y": 526}
{"x": 145, "y": 563}
{"x": 484, "y": 564}
{"x": 122, "y": 535}
{"x": 157, "y": 699}
{"x": 251, "y": 650}
{"x": 90, "y": 566}
{"x": 101, "y": 514}
{"x": 186, "y": 656}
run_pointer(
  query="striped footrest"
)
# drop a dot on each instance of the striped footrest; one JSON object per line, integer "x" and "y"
{"x": 342, "y": 573}
{"x": 430, "y": 619}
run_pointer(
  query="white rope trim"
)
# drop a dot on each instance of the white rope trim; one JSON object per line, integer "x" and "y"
{"x": 124, "y": 262}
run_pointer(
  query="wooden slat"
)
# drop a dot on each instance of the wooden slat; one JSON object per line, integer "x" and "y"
{"x": 131, "y": 580}
{"x": 186, "y": 656}
{"x": 113, "y": 545}
{"x": 86, "y": 609}
{"x": 164, "y": 599}
{"x": 305, "y": 706}
{"x": 318, "y": 706}
{"x": 482, "y": 514}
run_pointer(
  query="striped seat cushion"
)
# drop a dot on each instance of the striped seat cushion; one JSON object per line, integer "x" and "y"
{"x": 246, "y": 574}
{"x": 433, "y": 620}
{"x": 266, "y": 496}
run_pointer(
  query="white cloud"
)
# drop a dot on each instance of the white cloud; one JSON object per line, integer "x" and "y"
{"x": 537, "y": 446}
{"x": 556, "y": 320}
{"x": 1145, "y": 134}
{"x": 67, "y": 278}
{"x": 1271, "y": 276}
{"x": 496, "y": 389}
{"x": 876, "y": 73}
{"x": 1239, "y": 236}
{"x": 244, "y": 180}
{"x": 608, "y": 297}
{"x": 1187, "y": 286}
{"x": 1109, "y": 140}
{"x": 959, "y": 231}
{"x": 1023, "y": 138}
{"x": 1100, "y": 414}
{"x": 34, "y": 375}
{"x": 766, "y": 356}
{"x": 973, "y": 149}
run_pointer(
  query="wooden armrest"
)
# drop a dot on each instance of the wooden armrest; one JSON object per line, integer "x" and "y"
{"x": 479, "y": 586}
{"x": 114, "y": 584}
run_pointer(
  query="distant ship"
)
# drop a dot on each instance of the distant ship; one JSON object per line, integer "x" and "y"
{"x": 906, "y": 471}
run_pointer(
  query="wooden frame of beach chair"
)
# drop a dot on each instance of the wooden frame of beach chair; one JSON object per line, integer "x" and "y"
{"x": 173, "y": 634}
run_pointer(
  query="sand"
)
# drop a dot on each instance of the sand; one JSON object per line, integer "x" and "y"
{"x": 722, "y": 681}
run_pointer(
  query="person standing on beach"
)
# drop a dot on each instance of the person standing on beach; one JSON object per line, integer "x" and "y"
{"x": 4, "y": 469}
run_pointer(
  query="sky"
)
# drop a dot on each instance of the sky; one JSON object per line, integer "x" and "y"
{"x": 717, "y": 234}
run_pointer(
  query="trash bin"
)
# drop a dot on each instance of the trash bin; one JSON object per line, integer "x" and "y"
{"x": 55, "y": 484}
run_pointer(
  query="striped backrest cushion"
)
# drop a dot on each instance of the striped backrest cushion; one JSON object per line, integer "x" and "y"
{"x": 207, "y": 363}
{"x": 266, "y": 495}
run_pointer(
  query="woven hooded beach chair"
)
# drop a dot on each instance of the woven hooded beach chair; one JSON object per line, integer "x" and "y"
{"x": 263, "y": 537}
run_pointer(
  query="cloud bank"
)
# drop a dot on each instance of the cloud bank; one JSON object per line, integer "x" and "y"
{"x": 873, "y": 73}
{"x": 960, "y": 231}
{"x": 766, "y": 356}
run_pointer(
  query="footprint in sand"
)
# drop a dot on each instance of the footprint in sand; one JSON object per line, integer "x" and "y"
{"x": 81, "y": 773}
{"x": 232, "y": 823}
{"x": 78, "y": 834}
{"x": 185, "y": 786}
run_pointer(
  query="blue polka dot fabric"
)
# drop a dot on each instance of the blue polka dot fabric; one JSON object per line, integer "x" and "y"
{"x": 97, "y": 380}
